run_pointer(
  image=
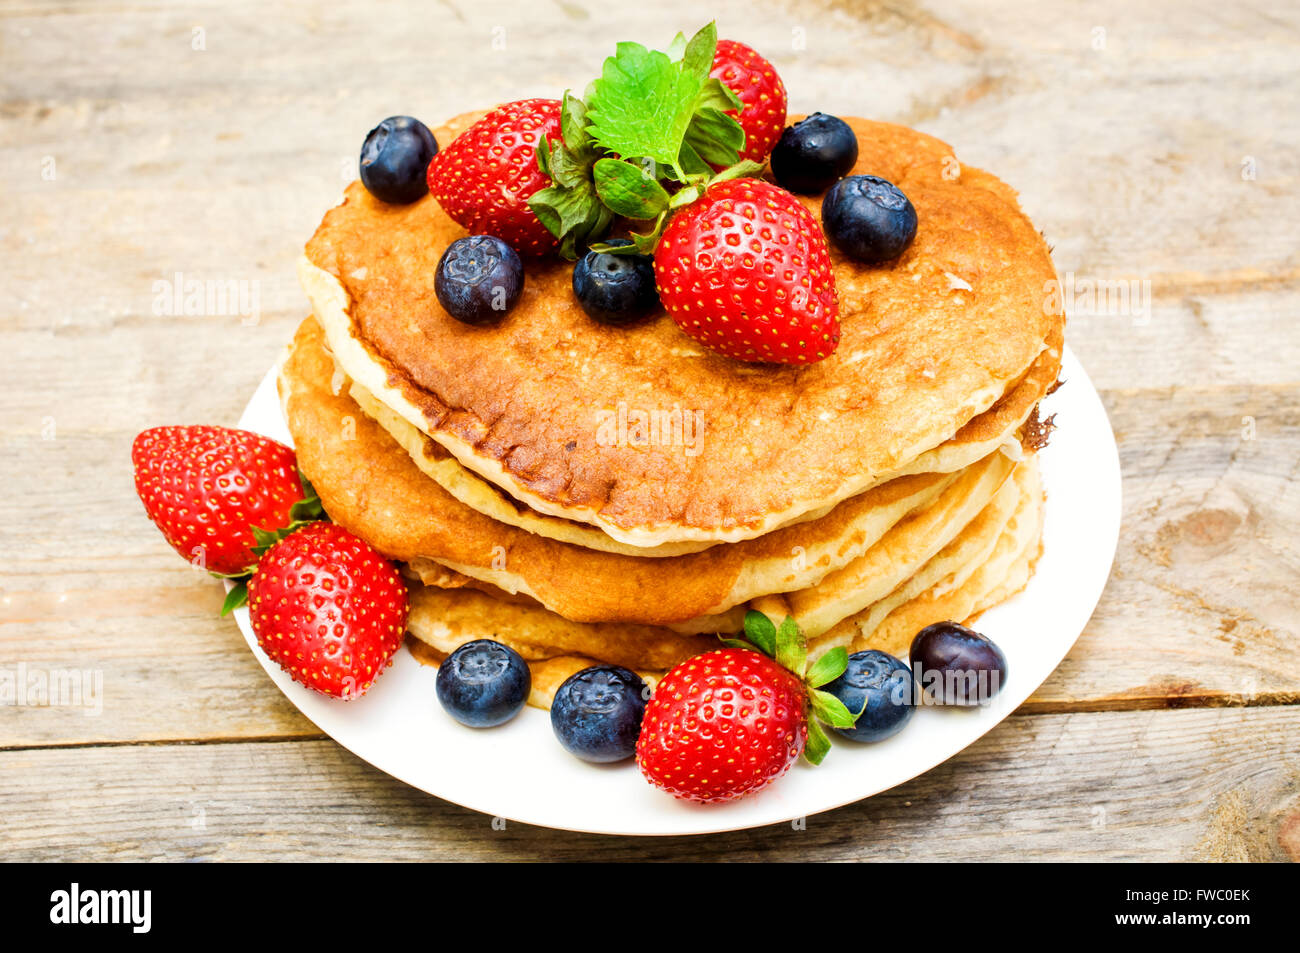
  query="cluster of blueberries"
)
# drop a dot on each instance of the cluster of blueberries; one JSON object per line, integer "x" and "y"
{"x": 479, "y": 278}
{"x": 597, "y": 712}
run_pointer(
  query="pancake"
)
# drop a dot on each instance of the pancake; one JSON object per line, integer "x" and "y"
{"x": 929, "y": 342}
{"x": 994, "y": 428}
{"x": 369, "y": 485}
{"x": 448, "y": 618}
{"x": 976, "y": 571}
{"x": 967, "y": 577}
{"x": 973, "y": 509}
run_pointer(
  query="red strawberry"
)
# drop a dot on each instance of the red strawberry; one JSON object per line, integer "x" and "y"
{"x": 484, "y": 178}
{"x": 722, "y": 725}
{"x": 328, "y": 608}
{"x": 745, "y": 271}
{"x": 207, "y": 487}
{"x": 761, "y": 92}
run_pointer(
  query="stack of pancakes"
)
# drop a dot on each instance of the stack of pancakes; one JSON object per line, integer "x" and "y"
{"x": 587, "y": 493}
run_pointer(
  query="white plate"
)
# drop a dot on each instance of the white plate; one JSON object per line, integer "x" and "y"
{"x": 519, "y": 771}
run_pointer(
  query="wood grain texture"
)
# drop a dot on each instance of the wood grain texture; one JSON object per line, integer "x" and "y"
{"x": 1152, "y": 143}
{"x": 1118, "y": 786}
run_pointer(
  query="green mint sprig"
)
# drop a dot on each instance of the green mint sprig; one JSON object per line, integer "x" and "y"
{"x": 645, "y": 141}
{"x": 788, "y": 647}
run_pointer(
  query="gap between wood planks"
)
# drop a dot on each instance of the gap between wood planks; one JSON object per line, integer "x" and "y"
{"x": 1027, "y": 710}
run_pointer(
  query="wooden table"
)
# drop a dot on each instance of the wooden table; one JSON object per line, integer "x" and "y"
{"x": 1155, "y": 143}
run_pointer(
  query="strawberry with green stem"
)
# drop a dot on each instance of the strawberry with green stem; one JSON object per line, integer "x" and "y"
{"x": 740, "y": 264}
{"x": 221, "y": 496}
{"x": 727, "y": 723}
{"x": 786, "y": 644}
{"x": 652, "y": 122}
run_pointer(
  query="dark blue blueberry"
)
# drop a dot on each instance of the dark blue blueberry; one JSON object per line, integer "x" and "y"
{"x": 395, "y": 159}
{"x": 483, "y": 683}
{"x": 884, "y": 685}
{"x": 813, "y": 153}
{"x": 479, "y": 279}
{"x": 957, "y": 665}
{"x": 868, "y": 219}
{"x": 615, "y": 289}
{"x": 597, "y": 713}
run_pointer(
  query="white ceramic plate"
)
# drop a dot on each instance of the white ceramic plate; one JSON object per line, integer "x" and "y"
{"x": 518, "y": 771}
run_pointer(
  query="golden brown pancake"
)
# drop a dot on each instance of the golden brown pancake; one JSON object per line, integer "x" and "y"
{"x": 369, "y": 485}
{"x": 994, "y": 428}
{"x": 985, "y": 564}
{"x": 929, "y": 342}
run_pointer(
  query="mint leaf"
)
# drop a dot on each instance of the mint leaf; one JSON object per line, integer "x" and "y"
{"x": 662, "y": 108}
{"x": 829, "y": 667}
{"x": 629, "y": 190}
{"x": 642, "y": 104}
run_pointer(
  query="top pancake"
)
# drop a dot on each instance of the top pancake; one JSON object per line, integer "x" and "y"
{"x": 928, "y": 342}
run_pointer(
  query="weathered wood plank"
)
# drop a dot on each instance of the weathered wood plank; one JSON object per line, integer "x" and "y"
{"x": 1161, "y": 149}
{"x": 1118, "y": 786}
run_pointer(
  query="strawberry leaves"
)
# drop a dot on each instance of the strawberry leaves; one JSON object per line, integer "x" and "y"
{"x": 645, "y": 141}
{"x": 306, "y": 510}
{"x": 786, "y": 644}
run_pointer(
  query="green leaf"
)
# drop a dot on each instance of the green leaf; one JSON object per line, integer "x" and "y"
{"x": 573, "y": 215}
{"x": 544, "y": 156}
{"x": 642, "y": 104}
{"x": 829, "y": 667}
{"x": 685, "y": 196}
{"x": 818, "y": 744}
{"x": 697, "y": 59}
{"x": 689, "y": 161}
{"x": 716, "y": 137}
{"x": 791, "y": 649}
{"x": 573, "y": 126}
{"x": 760, "y": 630}
{"x": 677, "y": 48}
{"x": 735, "y": 643}
{"x": 628, "y": 190}
{"x": 717, "y": 95}
{"x": 831, "y": 710}
{"x": 744, "y": 169}
{"x": 235, "y": 598}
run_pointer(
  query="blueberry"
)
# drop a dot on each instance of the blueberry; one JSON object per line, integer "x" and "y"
{"x": 395, "y": 158}
{"x": 615, "y": 289}
{"x": 884, "y": 685}
{"x": 479, "y": 279}
{"x": 597, "y": 713}
{"x": 958, "y": 666}
{"x": 868, "y": 219}
{"x": 483, "y": 683}
{"x": 813, "y": 153}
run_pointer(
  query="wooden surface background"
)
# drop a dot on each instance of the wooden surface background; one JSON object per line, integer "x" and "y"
{"x": 1151, "y": 142}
